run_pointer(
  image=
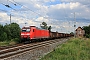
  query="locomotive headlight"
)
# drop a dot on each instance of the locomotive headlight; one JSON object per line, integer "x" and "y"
{"x": 27, "y": 34}
{"x": 22, "y": 34}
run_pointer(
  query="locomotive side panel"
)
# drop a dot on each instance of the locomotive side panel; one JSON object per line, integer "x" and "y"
{"x": 39, "y": 33}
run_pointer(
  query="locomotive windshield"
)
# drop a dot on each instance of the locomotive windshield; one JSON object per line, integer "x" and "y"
{"x": 25, "y": 30}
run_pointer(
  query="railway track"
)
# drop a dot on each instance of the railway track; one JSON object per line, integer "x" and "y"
{"x": 6, "y": 47}
{"x": 11, "y": 51}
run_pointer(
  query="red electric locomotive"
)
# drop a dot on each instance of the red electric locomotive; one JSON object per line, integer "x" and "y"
{"x": 32, "y": 32}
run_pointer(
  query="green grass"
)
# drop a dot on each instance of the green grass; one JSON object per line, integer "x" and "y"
{"x": 74, "y": 49}
{"x": 9, "y": 42}
{"x": 4, "y": 43}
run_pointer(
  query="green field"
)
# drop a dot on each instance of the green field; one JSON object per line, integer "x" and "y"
{"x": 74, "y": 49}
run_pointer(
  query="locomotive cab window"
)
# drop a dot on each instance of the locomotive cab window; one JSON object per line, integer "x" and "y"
{"x": 33, "y": 30}
{"x": 25, "y": 30}
{"x": 28, "y": 30}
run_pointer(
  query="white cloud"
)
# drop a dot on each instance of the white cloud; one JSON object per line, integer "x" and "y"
{"x": 83, "y": 2}
{"x": 40, "y": 18}
{"x": 4, "y": 17}
{"x": 65, "y": 5}
{"x": 74, "y": 5}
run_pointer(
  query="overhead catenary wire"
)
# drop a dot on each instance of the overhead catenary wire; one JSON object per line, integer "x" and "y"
{"x": 12, "y": 3}
{"x": 16, "y": 4}
{"x": 26, "y": 8}
{"x": 8, "y": 6}
{"x": 19, "y": 4}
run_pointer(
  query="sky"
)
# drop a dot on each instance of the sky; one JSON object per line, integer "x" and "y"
{"x": 62, "y": 15}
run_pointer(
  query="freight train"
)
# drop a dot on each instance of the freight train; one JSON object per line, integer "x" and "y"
{"x": 33, "y": 33}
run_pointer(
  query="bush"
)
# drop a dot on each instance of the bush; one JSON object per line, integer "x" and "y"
{"x": 16, "y": 40}
{"x": 4, "y": 43}
{"x": 9, "y": 42}
{"x": 87, "y": 35}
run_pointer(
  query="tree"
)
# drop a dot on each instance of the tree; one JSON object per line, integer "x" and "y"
{"x": 12, "y": 30}
{"x": 87, "y": 31}
{"x": 7, "y": 31}
{"x": 44, "y": 26}
{"x": 72, "y": 33}
{"x": 15, "y": 30}
{"x": 3, "y": 36}
{"x": 1, "y": 32}
{"x": 49, "y": 28}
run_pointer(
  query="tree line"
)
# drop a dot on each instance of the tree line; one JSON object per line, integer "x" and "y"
{"x": 9, "y": 31}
